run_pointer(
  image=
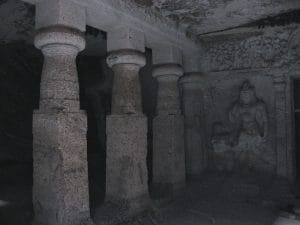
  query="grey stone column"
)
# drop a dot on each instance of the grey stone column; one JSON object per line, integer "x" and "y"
{"x": 60, "y": 174}
{"x": 281, "y": 129}
{"x": 126, "y": 170}
{"x": 168, "y": 126}
{"x": 192, "y": 100}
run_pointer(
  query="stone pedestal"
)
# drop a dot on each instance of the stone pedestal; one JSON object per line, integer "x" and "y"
{"x": 168, "y": 134}
{"x": 168, "y": 155}
{"x": 60, "y": 174}
{"x": 126, "y": 171}
{"x": 196, "y": 156}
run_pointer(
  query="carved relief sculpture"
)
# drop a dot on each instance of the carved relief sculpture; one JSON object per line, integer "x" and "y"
{"x": 248, "y": 116}
{"x": 242, "y": 145}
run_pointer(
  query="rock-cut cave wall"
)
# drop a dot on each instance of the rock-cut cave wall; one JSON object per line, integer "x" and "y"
{"x": 255, "y": 136}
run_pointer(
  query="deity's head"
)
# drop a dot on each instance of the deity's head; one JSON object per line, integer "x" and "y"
{"x": 247, "y": 94}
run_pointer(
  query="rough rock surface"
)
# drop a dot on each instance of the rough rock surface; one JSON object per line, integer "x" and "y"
{"x": 274, "y": 47}
{"x": 214, "y": 15}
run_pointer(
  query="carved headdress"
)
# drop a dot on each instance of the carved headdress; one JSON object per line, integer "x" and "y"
{"x": 248, "y": 88}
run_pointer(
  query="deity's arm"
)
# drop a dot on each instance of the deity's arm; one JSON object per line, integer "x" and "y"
{"x": 262, "y": 119}
{"x": 235, "y": 116}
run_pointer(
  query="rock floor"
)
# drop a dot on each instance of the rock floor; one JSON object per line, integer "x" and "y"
{"x": 226, "y": 200}
{"x": 216, "y": 200}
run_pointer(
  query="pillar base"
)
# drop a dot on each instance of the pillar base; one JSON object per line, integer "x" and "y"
{"x": 126, "y": 170}
{"x": 195, "y": 155}
{"x": 117, "y": 211}
{"x": 167, "y": 191}
{"x": 60, "y": 174}
{"x": 168, "y": 155}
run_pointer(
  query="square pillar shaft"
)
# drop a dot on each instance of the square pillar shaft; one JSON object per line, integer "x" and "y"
{"x": 60, "y": 189}
{"x": 168, "y": 125}
{"x": 127, "y": 176}
{"x": 168, "y": 155}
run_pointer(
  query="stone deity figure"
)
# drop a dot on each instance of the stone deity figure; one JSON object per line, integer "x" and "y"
{"x": 249, "y": 119}
{"x": 248, "y": 116}
{"x": 241, "y": 145}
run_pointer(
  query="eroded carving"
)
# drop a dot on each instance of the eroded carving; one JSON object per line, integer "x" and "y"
{"x": 241, "y": 144}
{"x": 248, "y": 116}
{"x": 274, "y": 48}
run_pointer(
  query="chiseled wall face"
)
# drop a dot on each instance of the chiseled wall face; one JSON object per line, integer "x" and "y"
{"x": 236, "y": 140}
{"x": 261, "y": 48}
{"x": 230, "y": 61}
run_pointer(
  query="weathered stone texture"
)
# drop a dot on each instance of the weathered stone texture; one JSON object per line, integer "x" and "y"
{"x": 168, "y": 154}
{"x": 200, "y": 17}
{"x": 126, "y": 93}
{"x": 221, "y": 92}
{"x": 168, "y": 101}
{"x": 60, "y": 12}
{"x": 125, "y": 38}
{"x": 126, "y": 171}
{"x": 126, "y": 129}
{"x": 60, "y": 183}
{"x": 60, "y": 190}
{"x": 267, "y": 58}
{"x": 59, "y": 82}
{"x": 271, "y": 48}
{"x": 168, "y": 130}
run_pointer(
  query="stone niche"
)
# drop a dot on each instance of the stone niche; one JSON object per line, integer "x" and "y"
{"x": 239, "y": 108}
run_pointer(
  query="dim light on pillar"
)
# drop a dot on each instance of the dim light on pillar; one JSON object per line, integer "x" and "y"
{"x": 60, "y": 172}
{"x": 168, "y": 127}
{"x": 126, "y": 171}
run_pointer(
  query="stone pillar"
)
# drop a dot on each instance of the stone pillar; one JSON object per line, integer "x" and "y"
{"x": 192, "y": 99}
{"x": 168, "y": 126}
{"x": 126, "y": 170}
{"x": 60, "y": 173}
{"x": 281, "y": 129}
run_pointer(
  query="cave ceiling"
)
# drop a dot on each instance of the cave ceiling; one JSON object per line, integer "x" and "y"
{"x": 198, "y": 17}
{"x": 208, "y": 16}
{"x": 16, "y": 21}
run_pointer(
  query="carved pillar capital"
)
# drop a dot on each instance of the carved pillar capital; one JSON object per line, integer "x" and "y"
{"x": 126, "y": 57}
{"x": 59, "y": 81}
{"x": 57, "y": 40}
{"x": 167, "y": 71}
{"x": 191, "y": 81}
{"x": 126, "y": 46}
{"x": 126, "y": 94}
{"x": 167, "y": 76}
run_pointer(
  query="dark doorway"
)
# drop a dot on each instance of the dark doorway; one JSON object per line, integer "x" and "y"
{"x": 20, "y": 69}
{"x": 95, "y": 98}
